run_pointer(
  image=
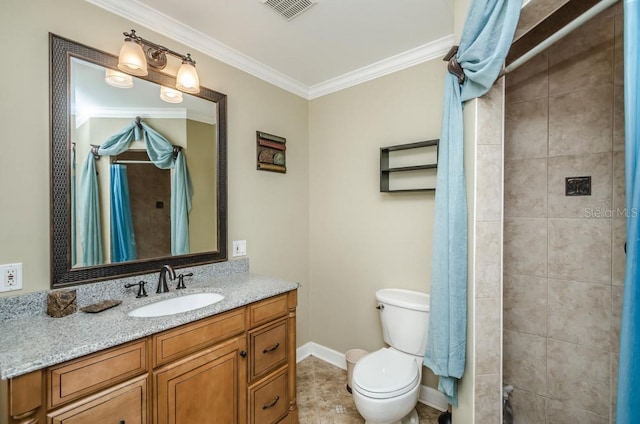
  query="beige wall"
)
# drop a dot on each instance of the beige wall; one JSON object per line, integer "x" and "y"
{"x": 278, "y": 242}
{"x": 203, "y": 234}
{"x": 363, "y": 240}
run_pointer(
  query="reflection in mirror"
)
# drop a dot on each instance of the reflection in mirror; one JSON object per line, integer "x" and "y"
{"x": 122, "y": 208}
{"x": 131, "y": 181}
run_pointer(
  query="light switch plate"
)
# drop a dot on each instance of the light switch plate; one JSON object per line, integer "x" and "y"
{"x": 239, "y": 248}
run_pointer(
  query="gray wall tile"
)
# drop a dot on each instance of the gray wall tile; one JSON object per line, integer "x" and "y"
{"x": 525, "y": 361}
{"x": 580, "y": 313}
{"x": 616, "y": 316}
{"x": 581, "y": 122}
{"x": 529, "y": 408}
{"x": 488, "y": 259}
{"x": 619, "y": 196}
{"x": 488, "y": 398}
{"x": 488, "y": 331}
{"x": 583, "y": 59}
{"x": 525, "y": 304}
{"x": 529, "y": 82}
{"x": 525, "y": 188}
{"x": 526, "y": 129}
{"x": 525, "y": 246}
{"x": 580, "y": 250}
{"x": 489, "y": 183}
{"x": 579, "y": 376}
{"x": 562, "y": 413}
{"x": 619, "y": 259}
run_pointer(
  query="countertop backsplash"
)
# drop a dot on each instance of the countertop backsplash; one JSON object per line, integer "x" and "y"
{"x": 35, "y": 303}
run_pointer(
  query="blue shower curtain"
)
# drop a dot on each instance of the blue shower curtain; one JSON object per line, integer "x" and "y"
{"x": 123, "y": 241}
{"x": 628, "y": 401}
{"x": 485, "y": 41}
{"x": 89, "y": 215}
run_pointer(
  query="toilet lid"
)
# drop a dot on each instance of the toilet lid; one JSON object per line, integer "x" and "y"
{"x": 385, "y": 374}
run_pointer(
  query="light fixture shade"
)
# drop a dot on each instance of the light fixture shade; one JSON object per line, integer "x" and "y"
{"x": 131, "y": 59}
{"x": 170, "y": 95}
{"x": 118, "y": 79}
{"x": 187, "y": 79}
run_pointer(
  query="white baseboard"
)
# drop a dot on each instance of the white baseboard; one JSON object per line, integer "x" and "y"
{"x": 433, "y": 398}
{"x": 321, "y": 352}
{"x": 428, "y": 396}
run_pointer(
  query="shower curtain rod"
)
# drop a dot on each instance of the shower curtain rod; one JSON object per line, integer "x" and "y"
{"x": 558, "y": 35}
{"x": 132, "y": 162}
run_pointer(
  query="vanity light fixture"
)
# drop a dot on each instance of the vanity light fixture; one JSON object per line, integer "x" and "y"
{"x": 136, "y": 53}
{"x": 118, "y": 79}
{"x": 170, "y": 95}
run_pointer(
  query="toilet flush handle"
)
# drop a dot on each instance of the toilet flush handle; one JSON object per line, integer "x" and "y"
{"x": 380, "y": 306}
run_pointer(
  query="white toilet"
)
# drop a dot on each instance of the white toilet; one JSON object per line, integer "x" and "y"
{"x": 386, "y": 383}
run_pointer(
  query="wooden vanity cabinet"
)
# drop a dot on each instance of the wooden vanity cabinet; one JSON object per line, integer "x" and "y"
{"x": 237, "y": 367}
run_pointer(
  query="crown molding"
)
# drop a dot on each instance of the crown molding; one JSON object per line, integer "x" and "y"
{"x": 172, "y": 28}
{"x": 434, "y": 50}
{"x": 163, "y": 24}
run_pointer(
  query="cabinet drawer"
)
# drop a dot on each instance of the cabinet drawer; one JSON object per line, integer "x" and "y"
{"x": 125, "y": 403}
{"x": 267, "y": 310}
{"x": 269, "y": 401}
{"x": 80, "y": 377}
{"x": 189, "y": 338}
{"x": 268, "y": 348}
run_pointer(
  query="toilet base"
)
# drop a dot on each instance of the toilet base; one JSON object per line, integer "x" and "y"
{"x": 410, "y": 418}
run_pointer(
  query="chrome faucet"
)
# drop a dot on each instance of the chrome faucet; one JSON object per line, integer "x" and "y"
{"x": 162, "y": 282}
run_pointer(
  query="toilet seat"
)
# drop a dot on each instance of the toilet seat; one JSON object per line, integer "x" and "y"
{"x": 385, "y": 374}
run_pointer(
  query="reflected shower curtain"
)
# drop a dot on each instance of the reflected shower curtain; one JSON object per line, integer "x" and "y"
{"x": 485, "y": 41}
{"x": 181, "y": 194}
{"x": 123, "y": 241}
{"x": 161, "y": 153}
{"x": 628, "y": 401}
{"x": 89, "y": 214}
{"x": 74, "y": 235}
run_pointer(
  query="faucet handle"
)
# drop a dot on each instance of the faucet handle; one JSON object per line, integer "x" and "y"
{"x": 181, "y": 280}
{"x": 142, "y": 292}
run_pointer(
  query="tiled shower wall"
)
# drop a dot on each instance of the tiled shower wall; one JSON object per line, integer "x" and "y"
{"x": 564, "y": 255}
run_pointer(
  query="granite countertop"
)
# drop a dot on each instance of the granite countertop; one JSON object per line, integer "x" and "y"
{"x": 29, "y": 343}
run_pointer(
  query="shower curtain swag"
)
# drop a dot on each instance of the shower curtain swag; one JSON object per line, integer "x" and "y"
{"x": 165, "y": 156}
{"x": 486, "y": 38}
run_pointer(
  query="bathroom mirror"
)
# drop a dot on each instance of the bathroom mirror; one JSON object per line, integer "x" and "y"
{"x": 86, "y": 111}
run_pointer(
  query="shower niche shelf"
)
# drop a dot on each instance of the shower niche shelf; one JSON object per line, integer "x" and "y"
{"x": 409, "y": 167}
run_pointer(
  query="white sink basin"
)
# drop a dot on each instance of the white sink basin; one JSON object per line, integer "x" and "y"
{"x": 176, "y": 305}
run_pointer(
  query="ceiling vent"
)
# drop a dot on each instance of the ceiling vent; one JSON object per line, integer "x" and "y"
{"x": 289, "y": 9}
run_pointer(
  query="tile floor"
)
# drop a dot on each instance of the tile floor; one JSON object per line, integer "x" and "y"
{"x": 323, "y": 397}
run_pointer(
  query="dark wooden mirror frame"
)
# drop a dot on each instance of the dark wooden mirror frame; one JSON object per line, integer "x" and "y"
{"x": 62, "y": 274}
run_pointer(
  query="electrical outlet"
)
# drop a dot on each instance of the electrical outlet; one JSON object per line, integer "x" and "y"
{"x": 10, "y": 277}
{"x": 239, "y": 248}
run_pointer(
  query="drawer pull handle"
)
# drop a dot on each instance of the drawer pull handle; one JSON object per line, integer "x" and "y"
{"x": 269, "y": 405}
{"x": 122, "y": 422}
{"x": 243, "y": 353}
{"x": 272, "y": 348}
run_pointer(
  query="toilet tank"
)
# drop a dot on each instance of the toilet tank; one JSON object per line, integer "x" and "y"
{"x": 405, "y": 319}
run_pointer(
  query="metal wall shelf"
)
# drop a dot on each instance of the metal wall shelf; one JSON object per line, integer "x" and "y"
{"x": 405, "y": 171}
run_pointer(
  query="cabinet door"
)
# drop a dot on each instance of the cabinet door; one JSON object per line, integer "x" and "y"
{"x": 206, "y": 387}
{"x": 124, "y": 404}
